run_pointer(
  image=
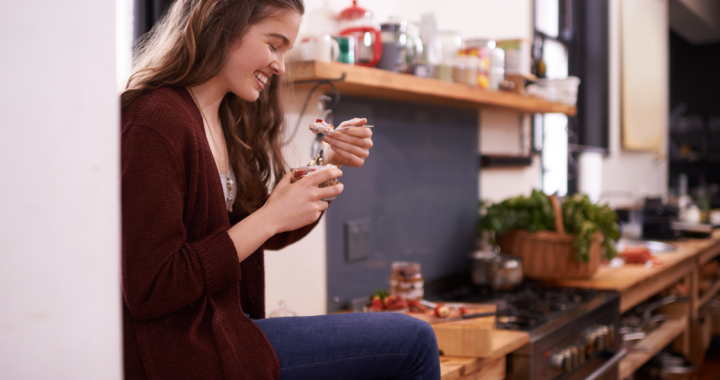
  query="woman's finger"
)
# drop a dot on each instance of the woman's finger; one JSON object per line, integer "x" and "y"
{"x": 349, "y": 159}
{"x": 330, "y": 191}
{"x": 317, "y": 178}
{"x": 357, "y": 132}
{"x": 361, "y": 151}
{"x": 355, "y": 121}
{"x": 363, "y": 141}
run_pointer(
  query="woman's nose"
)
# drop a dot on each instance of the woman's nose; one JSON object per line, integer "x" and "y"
{"x": 278, "y": 65}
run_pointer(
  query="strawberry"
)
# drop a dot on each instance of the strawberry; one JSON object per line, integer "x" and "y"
{"x": 377, "y": 304}
{"x": 463, "y": 310}
{"x": 442, "y": 311}
{"x": 398, "y": 303}
{"x": 416, "y": 307}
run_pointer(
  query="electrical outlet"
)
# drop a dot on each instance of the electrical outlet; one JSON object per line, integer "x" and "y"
{"x": 357, "y": 240}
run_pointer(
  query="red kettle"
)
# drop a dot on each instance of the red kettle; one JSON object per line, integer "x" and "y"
{"x": 357, "y": 22}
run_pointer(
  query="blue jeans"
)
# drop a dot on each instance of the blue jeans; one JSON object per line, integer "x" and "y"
{"x": 357, "y": 346}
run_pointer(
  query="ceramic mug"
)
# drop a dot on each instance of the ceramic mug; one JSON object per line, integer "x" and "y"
{"x": 319, "y": 48}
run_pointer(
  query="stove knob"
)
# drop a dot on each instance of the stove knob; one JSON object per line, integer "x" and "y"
{"x": 557, "y": 360}
{"x": 568, "y": 360}
{"x": 611, "y": 335}
{"x": 600, "y": 345}
{"x": 590, "y": 340}
{"x": 575, "y": 356}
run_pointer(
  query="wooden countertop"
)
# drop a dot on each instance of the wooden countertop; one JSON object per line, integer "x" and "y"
{"x": 376, "y": 83}
{"x": 636, "y": 283}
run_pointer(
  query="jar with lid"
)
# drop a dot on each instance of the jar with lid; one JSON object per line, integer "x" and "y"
{"x": 406, "y": 280}
{"x": 282, "y": 311}
{"x": 465, "y": 70}
{"x": 401, "y": 47}
{"x": 481, "y": 49}
{"x": 450, "y": 44}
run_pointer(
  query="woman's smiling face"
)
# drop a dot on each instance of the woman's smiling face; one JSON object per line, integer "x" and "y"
{"x": 260, "y": 54}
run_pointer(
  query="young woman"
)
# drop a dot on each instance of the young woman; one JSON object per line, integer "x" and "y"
{"x": 201, "y": 129}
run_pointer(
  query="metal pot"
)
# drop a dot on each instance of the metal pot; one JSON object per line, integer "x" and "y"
{"x": 496, "y": 270}
{"x": 667, "y": 366}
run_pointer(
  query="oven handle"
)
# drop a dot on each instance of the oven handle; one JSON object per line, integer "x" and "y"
{"x": 608, "y": 364}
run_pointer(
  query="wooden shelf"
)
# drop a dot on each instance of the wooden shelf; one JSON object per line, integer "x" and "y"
{"x": 651, "y": 345}
{"x": 709, "y": 294}
{"x": 376, "y": 83}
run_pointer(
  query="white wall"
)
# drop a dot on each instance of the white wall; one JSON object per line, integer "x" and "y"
{"x": 59, "y": 192}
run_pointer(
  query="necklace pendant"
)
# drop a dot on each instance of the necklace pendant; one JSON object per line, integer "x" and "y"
{"x": 230, "y": 182}
{"x": 230, "y": 200}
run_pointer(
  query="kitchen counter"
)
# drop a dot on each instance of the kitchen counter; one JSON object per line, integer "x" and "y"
{"x": 636, "y": 283}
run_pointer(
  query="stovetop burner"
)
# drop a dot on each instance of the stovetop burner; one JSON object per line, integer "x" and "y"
{"x": 526, "y": 307}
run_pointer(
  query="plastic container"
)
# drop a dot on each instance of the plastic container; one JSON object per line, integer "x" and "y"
{"x": 557, "y": 90}
{"x": 496, "y": 73}
{"x": 518, "y": 57}
{"x": 567, "y": 90}
{"x": 304, "y": 171}
{"x": 465, "y": 70}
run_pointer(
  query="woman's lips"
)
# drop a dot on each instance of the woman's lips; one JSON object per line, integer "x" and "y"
{"x": 258, "y": 76}
{"x": 260, "y": 84}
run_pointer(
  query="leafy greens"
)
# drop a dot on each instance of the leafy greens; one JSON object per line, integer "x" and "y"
{"x": 581, "y": 218}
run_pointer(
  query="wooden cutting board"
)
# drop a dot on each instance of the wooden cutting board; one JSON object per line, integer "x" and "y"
{"x": 472, "y": 338}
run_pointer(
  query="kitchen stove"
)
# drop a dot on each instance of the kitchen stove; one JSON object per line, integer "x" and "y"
{"x": 572, "y": 330}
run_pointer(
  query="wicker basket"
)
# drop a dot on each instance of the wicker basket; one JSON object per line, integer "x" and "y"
{"x": 550, "y": 255}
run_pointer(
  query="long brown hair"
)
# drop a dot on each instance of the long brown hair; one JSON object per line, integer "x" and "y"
{"x": 187, "y": 48}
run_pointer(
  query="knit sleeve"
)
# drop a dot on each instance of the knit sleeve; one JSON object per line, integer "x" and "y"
{"x": 283, "y": 239}
{"x": 162, "y": 271}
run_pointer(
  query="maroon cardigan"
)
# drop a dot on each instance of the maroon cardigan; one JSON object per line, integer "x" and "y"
{"x": 184, "y": 289}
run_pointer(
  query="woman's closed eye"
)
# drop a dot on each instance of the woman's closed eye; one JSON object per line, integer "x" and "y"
{"x": 273, "y": 47}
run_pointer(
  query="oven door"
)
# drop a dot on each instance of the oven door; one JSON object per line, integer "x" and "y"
{"x": 603, "y": 367}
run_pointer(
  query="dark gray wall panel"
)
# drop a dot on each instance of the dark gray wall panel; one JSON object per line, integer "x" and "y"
{"x": 418, "y": 188}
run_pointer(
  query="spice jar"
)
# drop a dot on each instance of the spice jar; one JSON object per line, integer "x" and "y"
{"x": 406, "y": 280}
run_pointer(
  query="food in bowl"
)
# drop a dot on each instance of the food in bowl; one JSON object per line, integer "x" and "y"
{"x": 304, "y": 171}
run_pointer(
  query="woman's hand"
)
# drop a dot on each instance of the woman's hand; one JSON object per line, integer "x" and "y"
{"x": 292, "y": 206}
{"x": 349, "y": 147}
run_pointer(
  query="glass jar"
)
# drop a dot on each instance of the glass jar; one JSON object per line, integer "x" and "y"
{"x": 406, "y": 280}
{"x": 282, "y": 311}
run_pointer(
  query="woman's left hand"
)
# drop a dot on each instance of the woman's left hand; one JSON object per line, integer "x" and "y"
{"x": 349, "y": 147}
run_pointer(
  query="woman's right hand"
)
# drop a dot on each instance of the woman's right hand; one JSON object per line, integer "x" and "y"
{"x": 292, "y": 206}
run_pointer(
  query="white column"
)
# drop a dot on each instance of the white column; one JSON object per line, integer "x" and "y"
{"x": 60, "y": 313}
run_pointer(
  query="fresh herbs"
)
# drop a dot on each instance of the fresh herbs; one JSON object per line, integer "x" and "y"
{"x": 581, "y": 218}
